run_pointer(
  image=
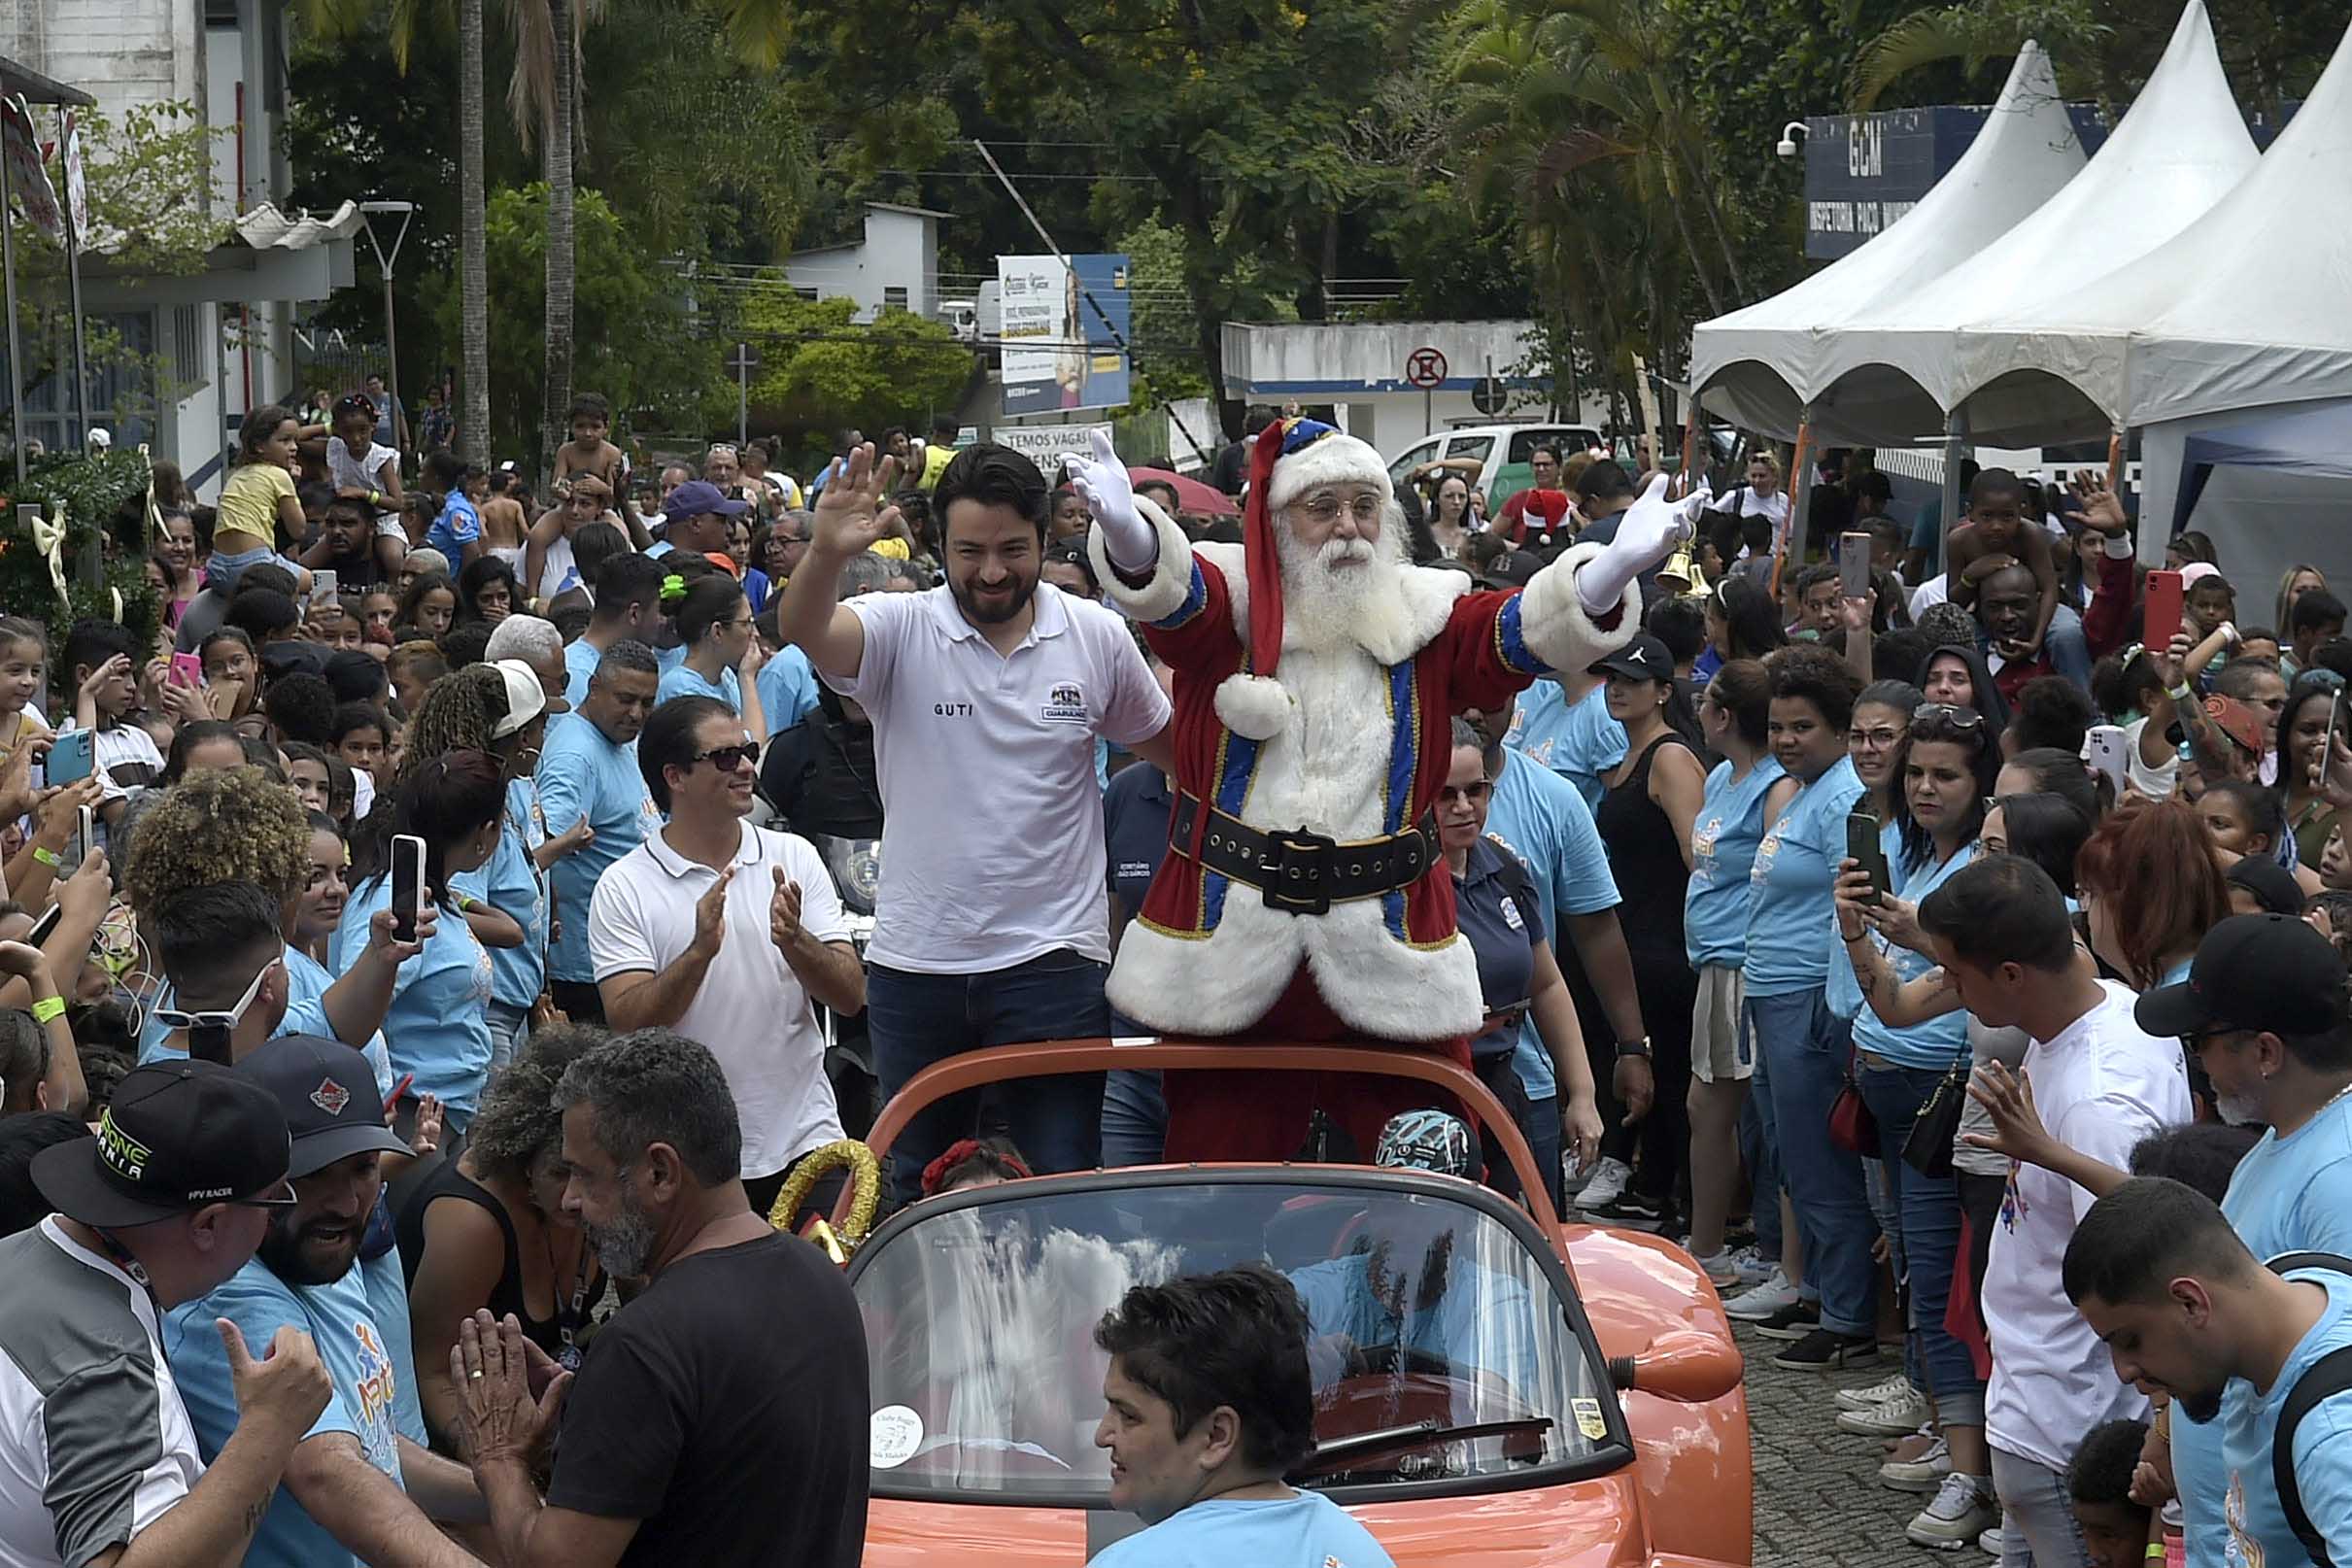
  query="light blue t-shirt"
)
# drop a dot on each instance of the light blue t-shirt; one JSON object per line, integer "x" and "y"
{"x": 306, "y": 986}
{"x": 788, "y": 690}
{"x": 1729, "y": 824}
{"x": 436, "y": 1027}
{"x": 581, "y": 773}
{"x": 1842, "y": 988}
{"x": 359, "y": 1361}
{"x": 513, "y": 884}
{"x": 2291, "y": 1194}
{"x": 580, "y": 657}
{"x": 387, "y": 1287}
{"x": 1795, "y": 866}
{"x": 1579, "y": 741}
{"x": 1305, "y": 1529}
{"x": 2256, "y": 1523}
{"x": 686, "y": 681}
{"x": 1936, "y": 1042}
{"x": 457, "y": 526}
{"x": 1540, "y": 817}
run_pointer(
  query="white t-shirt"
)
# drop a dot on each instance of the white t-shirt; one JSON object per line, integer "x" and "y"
{"x": 751, "y": 1012}
{"x": 365, "y": 473}
{"x": 1936, "y": 590}
{"x": 992, "y": 834}
{"x": 2155, "y": 783}
{"x": 2101, "y": 1086}
{"x": 557, "y": 570}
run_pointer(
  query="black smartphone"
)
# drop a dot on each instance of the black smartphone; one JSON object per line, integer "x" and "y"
{"x": 408, "y": 884}
{"x": 1862, "y": 847}
{"x": 44, "y": 926}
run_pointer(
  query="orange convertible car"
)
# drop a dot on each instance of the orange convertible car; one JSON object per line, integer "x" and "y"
{"x": 1492, "y": 1388}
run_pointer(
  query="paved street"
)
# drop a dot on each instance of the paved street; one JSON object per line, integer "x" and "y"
{"x": 1818, "y": 1503}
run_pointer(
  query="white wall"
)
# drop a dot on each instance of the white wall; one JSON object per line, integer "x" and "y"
{"x": 900, "y": 251}
{"x": 119, "y": 52}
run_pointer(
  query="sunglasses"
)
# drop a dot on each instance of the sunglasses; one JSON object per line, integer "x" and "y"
{"x": 281, "y": 1196}
{"x": 173, "y": 1019}
{"x": 1448, "y": 794}
{"x": 728, "y": 758}
{"x": 1958, "y": 718}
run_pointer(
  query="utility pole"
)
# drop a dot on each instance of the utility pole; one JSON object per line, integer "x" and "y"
{"x": 406, "y": 210}
{"x": 744, "y": 362}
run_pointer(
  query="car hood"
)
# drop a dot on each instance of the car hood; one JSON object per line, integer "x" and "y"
{"x": 1580, "y": 1525}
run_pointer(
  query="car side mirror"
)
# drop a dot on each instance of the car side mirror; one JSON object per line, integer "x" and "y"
{"x": 1685, "y": 1365}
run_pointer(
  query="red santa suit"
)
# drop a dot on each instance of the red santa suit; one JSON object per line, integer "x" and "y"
{"x": 1343, "y": 744}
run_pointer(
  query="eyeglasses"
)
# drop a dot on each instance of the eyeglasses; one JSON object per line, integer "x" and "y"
{"x": 1879, "y": 739}
{"x": 281, "y": 1196}
{"x": 1958, "y": 718}
{"x": 1448, "y": 794}
{"x": 174, "y": 1018}
{"x": 728, "y": 758}
{"x": 1327, "y": 508}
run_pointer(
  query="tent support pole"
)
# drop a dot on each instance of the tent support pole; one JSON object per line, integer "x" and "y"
{"x": 1800, "y": 500}
{"x": 16, "y": 349}
{"x": 1955, "y": 438}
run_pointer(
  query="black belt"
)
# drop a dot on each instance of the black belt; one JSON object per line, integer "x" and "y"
{"x": 1298, "y": 872}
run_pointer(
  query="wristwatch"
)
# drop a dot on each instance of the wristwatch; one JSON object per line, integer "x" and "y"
{"x": 1637, "y": 1048}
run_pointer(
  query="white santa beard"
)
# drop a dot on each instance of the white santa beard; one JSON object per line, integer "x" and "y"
{"x": 1326, "y": 606}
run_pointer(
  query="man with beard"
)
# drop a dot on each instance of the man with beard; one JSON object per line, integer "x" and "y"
{"x": 2264, "y": 1009}
{"x": 2185, "y": 1308}
{"x": 587, "y": 774}
{"x": 704, "y": 1427}
{"x": 354, "y": 1490}
{"x": 2000, "y": 929}
{"x": 1303, "y": 897}
{"x": 986, "y": 695}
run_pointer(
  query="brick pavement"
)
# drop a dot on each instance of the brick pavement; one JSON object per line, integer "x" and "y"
{"x": 1818, "y": 1503}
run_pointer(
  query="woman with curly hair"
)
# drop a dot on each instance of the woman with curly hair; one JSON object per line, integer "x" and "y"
{"x": 236, "y": 824}
{"x": 489, "y": 1228}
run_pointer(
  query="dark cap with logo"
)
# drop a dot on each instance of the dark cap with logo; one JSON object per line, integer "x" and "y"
{"x": 699, "y": 497}
{"x": 178, "y": 1134}
{"x": 1644, "y": 659}
{"x": 2267, "y": 972}
{"x": 327, "y": 1092}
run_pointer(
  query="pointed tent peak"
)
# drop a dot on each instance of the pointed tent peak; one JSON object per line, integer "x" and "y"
{"x": 2186, "y": 113}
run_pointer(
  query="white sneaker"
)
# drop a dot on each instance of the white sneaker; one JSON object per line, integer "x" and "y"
{"x": 1761, "y": 1302}
{"x": 1990, "y": 1541}
{"x": 1962, "y": 1509}
{"x": 1608, "y": 1183}
{"x": 1925, "y": 1474}
{"x": 1878, "y": 1393}
{"x": 1898, "y": 1417}
{"x": 1754, "y": 1268}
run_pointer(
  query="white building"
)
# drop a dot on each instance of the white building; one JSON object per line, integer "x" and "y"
{"x": 895, "y": 266}
{"x": 222, "y": 337}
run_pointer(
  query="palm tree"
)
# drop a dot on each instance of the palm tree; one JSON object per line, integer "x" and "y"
{"x": 473, "y": 258}
{"x": 562, "y": 249}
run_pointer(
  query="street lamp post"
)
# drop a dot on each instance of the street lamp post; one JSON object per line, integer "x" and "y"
{"x": 369, "y": 213}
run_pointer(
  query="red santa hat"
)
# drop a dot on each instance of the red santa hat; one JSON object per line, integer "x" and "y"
{"x": 1291, "y": 456}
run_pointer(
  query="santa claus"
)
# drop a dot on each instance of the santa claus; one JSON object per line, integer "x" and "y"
{"x": 1304, "y": 895}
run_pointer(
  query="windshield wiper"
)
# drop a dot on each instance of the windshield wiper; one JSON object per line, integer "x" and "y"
{"x": 1416, "y": 1434}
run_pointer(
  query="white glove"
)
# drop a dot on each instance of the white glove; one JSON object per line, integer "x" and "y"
{"x": 1646, "y": 534}
{"x": 1132, "y": 543}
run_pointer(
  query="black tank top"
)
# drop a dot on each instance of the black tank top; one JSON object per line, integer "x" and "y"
{"x": 1646, "y": 862}
{"x": 506, "y": 1296}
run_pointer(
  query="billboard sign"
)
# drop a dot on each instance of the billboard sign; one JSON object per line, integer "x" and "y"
{"x": 1058, "y": 351}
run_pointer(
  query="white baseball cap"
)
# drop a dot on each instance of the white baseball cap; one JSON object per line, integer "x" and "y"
{"x": 525, "y": 697}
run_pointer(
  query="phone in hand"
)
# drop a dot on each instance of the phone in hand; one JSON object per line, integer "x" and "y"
{"x": 408, "y": 884}
{"x": 187, "y": 670}
{"x": 44, "y": 926}
{"x": 1862, "y": 847}
{"x": 2160, "y": 621}
{"x": 1853, "y": 565}
{"x": 88, "y": 830}
{"x": 2105, "y": 747}
{"x": 2335, "y": 727}
{"x": 323, "y": 586}
{"x": 72, "y": 758}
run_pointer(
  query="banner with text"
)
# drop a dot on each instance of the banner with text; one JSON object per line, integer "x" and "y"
{"x": 1045, "y": 445}
{"x": 1061, "y": 328}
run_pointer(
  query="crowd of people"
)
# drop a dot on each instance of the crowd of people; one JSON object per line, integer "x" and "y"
{"x": 1951, "y": 936}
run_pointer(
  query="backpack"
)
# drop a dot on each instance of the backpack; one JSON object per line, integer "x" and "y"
{"x": 2329, "y": 1376}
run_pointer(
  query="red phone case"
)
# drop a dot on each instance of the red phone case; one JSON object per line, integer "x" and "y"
{"x": 2161, "y": 620}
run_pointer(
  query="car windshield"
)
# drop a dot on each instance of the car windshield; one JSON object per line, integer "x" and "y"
{"x": 1422, "y": 1310}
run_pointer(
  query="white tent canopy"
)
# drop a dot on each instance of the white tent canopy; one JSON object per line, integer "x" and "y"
{"x": 1763, "y": 365}
{"x": 1968, "y": 341}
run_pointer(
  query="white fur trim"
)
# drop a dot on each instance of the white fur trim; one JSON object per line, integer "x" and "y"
{"x": 1335, "y": 459}
{"x": 1171, "y": 576}
{"x": 1226, "y": 982}
{"x": 1429, "y": 594}
{"x": 1254, "y": 707}
{"x": 1554, "y": 625}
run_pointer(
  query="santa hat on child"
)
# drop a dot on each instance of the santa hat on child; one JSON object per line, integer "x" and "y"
{"x": 1290, "y": 457}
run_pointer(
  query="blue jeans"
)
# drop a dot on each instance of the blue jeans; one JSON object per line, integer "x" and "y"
{"x": 509, "y": 1031}
{"x": 1543, "y": 1131}
{"x": 221, "y": 571}
{"x": 1135, "y": 1119}
{"x": 2070, "y": 653}
{"x": 1926, "y": 1236}
{"x": 913, "y": 1020}
{"x": 1806, "y": 1045}
{"x": 1761, "y": 1153}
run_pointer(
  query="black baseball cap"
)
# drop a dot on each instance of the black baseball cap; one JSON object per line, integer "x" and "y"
{"x": 1644, "y": 659}
{"x": 2272, "y": 885}
{"x": 327, "y": 1092}
{"x": 2269, "y": 973}
{"x": 1513, "y": 569}
{"x": 177, "y": 1135}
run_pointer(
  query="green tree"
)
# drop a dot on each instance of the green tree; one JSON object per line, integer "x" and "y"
{"x": 634, "y": 345}
{"x": 819, "y": 369}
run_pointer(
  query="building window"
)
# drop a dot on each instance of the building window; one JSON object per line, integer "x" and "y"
{"x": 894, "y": 299}
{"x": 806, "y": 291}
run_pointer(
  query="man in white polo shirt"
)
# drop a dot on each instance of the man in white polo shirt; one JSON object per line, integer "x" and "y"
{"x": 986, "y": 695}
{"x": 724, "y": 932}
